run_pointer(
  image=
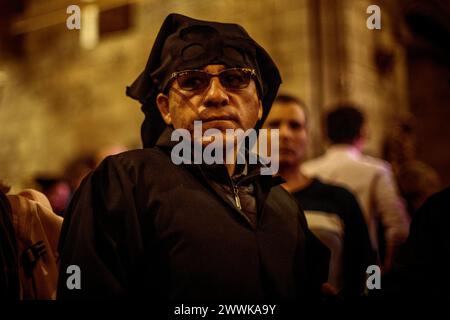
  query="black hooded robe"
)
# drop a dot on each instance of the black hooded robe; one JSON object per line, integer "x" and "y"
{"x": 140, "y": 226}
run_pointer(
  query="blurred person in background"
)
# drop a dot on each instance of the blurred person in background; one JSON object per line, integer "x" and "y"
{"x": 30, "y": 238}
{"x": 416, "y": 180}
{"x": 108, "y": 150}
{"x": 78, "y": 168}
{"x": 368, "y": 178}
{"x": 58, "y": 192}
{"x": 332, "y": 212}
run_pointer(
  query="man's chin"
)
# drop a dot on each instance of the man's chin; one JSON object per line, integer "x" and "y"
{"x": 287, "y": 162}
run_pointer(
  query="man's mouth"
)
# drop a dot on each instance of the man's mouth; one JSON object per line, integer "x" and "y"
{"x": 218, "y": 118}
{"x": 286, "y": 151}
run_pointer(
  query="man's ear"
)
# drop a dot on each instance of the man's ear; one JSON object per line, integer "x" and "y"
{"x": 162, "y": 102}
{"x": 260, "y": 110}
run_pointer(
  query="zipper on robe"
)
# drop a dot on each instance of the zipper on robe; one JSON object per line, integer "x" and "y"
{"x": 236, "y": 197}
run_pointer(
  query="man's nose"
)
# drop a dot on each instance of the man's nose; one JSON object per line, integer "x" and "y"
{"x": 216, "y": 94}
{"x": 285, "y": 132}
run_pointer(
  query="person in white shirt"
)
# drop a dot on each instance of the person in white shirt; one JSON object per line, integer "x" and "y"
{"x": 332, "y": 212}
{"x": 369, "y": 178}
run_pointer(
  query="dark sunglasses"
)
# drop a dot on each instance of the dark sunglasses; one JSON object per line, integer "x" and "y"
{"x": 232, "y": 79}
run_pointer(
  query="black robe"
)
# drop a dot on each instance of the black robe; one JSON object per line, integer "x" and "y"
{"x": 141, "y": 226}
{"x": 421, "y": 270}
{"x": 358, "y": 253}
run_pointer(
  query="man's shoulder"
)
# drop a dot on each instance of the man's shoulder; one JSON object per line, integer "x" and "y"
{"x": 327, "y": 194}
{"x": 314, "y": 164}
{"x": 145, "y": 163}
{"x": 280, "y": 192}
{"x": 374, "y": 163}
{"x": 138, "y": 153}
{"x": 283, "y": 198}
{"x": 361, "y": 161}
{"x": 147, "y": 156}
{"x": 284, "y": 205}
{"x": 438, "y": 204}
{"x": 334, "y": 190}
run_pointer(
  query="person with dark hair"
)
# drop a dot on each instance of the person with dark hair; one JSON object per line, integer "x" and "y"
{"x": 368, "y": 178}
{"x": 142, "y": 226}
{"x": 344, "y": 125}
{"x": 333, "y": 214}
{"x": 57, "y": 191}
{"x": 78, "y": 168}
{"x": 288, "y": 98}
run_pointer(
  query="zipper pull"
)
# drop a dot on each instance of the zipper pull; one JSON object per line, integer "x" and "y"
{"x": 236, "y": 197}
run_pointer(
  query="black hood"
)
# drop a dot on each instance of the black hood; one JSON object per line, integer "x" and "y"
{"x": 185, "y": 43}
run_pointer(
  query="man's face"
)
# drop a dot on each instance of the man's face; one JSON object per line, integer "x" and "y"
{"x": 290, "y": 119}
{"x": 216, "y": 106}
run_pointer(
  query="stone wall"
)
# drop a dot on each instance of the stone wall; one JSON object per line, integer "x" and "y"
{"x": 59, "y": 100}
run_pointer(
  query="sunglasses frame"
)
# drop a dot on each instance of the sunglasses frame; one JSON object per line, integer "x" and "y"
{"x": 175, "y": 75}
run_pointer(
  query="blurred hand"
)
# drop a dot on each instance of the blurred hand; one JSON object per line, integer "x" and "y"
{"x": 329, "y": 290}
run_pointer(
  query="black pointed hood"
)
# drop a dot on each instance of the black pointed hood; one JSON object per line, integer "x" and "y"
{"x": 185, "y": 43}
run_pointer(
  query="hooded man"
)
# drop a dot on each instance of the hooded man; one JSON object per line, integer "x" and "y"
{"x": 142, "y": 226}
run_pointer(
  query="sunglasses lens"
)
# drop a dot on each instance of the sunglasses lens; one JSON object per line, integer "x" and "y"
{"x": 232, "y": 79}
{"x": 193, "y": 80}
{"x": 235, "y": 78}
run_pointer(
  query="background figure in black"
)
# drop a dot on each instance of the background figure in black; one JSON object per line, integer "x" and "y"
{"x": 421, "y": 271}
{"x": 332, "y": 212}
